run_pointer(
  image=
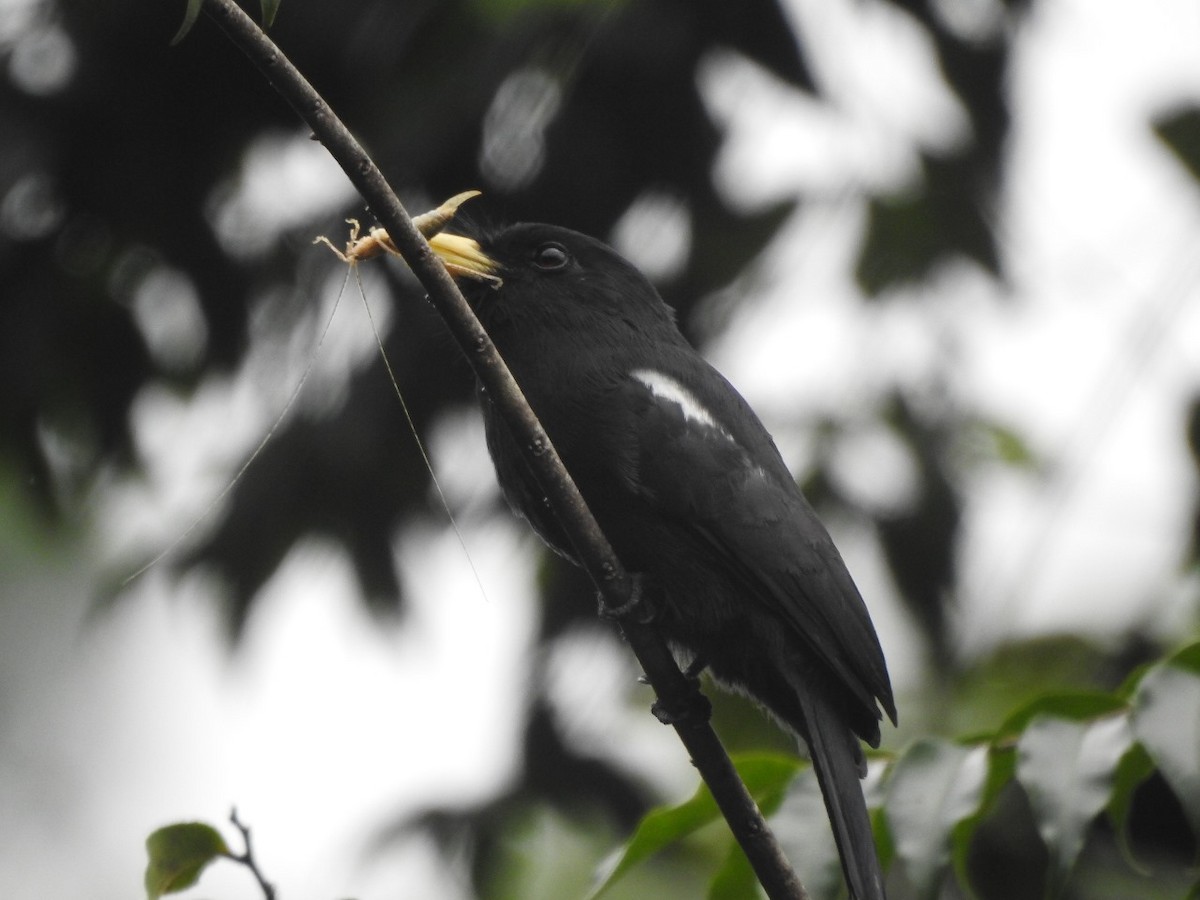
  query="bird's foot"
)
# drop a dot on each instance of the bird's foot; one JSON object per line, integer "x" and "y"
{"x": 691, "y": 706}
{"x": 639, "y": 607}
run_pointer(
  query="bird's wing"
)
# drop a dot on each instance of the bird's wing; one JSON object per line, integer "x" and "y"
{"x": 706, "y": 463}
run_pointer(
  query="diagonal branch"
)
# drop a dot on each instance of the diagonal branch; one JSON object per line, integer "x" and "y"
{"x": 676, "y": 692}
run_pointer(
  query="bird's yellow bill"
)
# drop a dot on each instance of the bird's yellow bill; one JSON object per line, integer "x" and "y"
{"x": 463, "y": 256}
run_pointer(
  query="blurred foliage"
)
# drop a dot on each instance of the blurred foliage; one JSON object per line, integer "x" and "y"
{"x": 1066, "y": 773}
{"x": 119, "y": 152}
{"x": 1180, "y": 130}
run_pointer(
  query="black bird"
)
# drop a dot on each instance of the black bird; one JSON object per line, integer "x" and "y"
{"x": 692, "y": 493}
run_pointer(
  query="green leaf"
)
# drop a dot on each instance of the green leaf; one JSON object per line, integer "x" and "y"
{"x": 178, "y": 854}
{"x": 269, "y": 10}
{"x": 1181, "y": 132}
{"x": 1001, "y": 767}
{"x": 1068, "y": 769}
{"x": 885, "y": 843}
{"x": 190, "y": 15}
{"x": 1077, "y": 706}
{"x": 1017, "y": 674}
{"x": 1133, "y": 681}
{"x": 735, "y": 879}
{"x": 1187, "y": 658}
{"x": 1166, "y": 719}
{"x": 1134, "y": 768}
{"x": 1000, "y": 441}
{"x": 765, "y": 776}
{"x": 934, "y": 786}
{"x": 768, "y": 776}
{"x": 802, "y": 827}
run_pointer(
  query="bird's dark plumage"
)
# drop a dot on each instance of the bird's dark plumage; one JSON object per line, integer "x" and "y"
{"x": 688, "y": 486}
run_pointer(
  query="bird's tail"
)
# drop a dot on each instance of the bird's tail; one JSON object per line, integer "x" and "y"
{"x": 838, "y": 761}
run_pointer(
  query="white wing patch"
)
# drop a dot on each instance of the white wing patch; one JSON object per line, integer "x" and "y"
{"x": 664, "y": 387}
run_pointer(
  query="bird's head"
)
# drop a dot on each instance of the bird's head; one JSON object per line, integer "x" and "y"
{"x": 546, "y": 278}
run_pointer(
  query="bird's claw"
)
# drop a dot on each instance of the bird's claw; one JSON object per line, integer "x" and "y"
{"x": 638, "y": 607}
{"x": 692, "y": 706}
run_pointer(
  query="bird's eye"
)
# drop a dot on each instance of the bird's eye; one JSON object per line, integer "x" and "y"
{"x": 550, "y": 256}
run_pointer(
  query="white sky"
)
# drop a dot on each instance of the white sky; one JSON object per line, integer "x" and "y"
{"x": 323, "y": 726}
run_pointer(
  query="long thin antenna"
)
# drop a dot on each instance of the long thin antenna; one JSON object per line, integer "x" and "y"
{"x": 387, "y": 364}
{"x": 262, "y": 444}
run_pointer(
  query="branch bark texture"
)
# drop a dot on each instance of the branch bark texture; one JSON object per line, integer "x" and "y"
{"x": 674, "y": 690}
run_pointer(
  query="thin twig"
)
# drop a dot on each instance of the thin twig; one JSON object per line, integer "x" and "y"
{"x": 675, "y": 692}
{"x": 246, "y": 858}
